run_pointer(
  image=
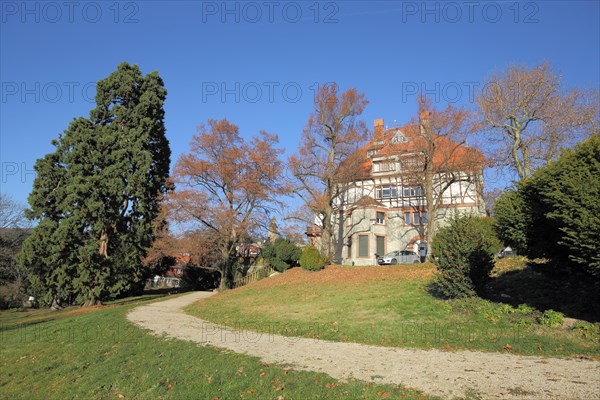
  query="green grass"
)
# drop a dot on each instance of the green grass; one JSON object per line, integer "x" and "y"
{"x": 390, "y": 306}
{"x": 98, "y": 354}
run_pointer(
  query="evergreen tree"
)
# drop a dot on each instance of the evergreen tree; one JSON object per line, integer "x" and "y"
{"x": 97, "y": 194}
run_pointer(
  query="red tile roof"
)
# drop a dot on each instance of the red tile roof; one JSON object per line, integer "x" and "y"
{"x": 449, "y": 153}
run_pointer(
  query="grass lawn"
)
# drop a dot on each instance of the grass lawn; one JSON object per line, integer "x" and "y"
{"x": 97, "y": 354}
{"x": 392, "y": 306}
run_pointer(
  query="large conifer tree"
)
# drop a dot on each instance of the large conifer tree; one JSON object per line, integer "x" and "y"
{"x": 96, "y": 195}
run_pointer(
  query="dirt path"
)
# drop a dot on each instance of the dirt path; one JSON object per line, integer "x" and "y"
{"x": 446, "y": 374}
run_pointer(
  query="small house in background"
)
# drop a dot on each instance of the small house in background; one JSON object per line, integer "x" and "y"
{"x": 383, "y": 207}
{"x": 249, "y": 250}
{"x": 173, "y": 278}
{"x": 178, "y": 270}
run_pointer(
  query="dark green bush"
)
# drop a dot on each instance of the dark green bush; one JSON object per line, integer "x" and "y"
{"x": 568, "y": 191}
{"x": 511, "y": 221}
{"x": 555, "y": 213}
{"x": 282, "y": 254}
{"x": 463, "y": 253}
{"x": 198, "y": 278}
{"x": 311, "y": 259}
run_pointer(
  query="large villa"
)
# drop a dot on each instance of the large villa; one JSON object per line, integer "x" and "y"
{"x": 383, "y": 207}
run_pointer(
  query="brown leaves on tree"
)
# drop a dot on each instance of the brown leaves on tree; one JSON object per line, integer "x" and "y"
{"x": 332, "y": 135}
{"x": 225, "y": 187}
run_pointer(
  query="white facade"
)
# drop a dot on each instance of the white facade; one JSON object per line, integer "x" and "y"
{"x": 385, "y": 209}
{"x": 389, "y": 213}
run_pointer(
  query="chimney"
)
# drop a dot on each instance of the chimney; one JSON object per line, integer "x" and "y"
{"x": 378, "y": 131}
{"x": 424, "y": 120}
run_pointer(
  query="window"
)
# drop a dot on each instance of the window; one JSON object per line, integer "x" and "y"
{"x": 424, "y": 217}
{"x": 350, "y": 247}
{"x": 407, "y": 218}
{"x": 383, "y": 166}
{"x": 386, "y": 192}
{"x": 412, "y": 191}
{"x": 371, "y": 153}
{"x": 413, "y": 162}
{"x": 349, "y": 218}
{"x": 399, "y": 138}
{"x": 380, "y": 245}
{"x": 380, "y": 218}
{"x": 416, "y": 218}
{"x": 363, "y": 245}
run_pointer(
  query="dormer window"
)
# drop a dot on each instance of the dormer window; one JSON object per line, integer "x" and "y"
{"x": 399, "y": 137}
{"x": 384, "y": 166}
{"x": 371, "y": 153}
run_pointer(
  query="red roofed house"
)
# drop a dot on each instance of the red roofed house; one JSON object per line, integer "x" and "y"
{"x": 383, "y": 207}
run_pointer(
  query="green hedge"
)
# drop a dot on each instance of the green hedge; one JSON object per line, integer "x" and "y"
{"x": 311, "y": 259}
{"x": 463, "y": 254}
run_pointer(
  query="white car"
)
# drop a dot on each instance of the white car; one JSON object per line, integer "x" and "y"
{"x": 399, "y": 257}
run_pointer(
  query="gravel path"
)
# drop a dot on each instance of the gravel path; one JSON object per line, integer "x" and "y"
{"x": 446, "y": 374}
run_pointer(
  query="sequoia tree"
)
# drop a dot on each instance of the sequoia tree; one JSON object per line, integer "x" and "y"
{"x": 96, "y": 196}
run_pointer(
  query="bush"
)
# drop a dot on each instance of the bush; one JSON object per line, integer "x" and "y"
{"x": 11, "y": 296}
{"x": 463, "y": 254}
{"x": 554, "y": 214}
{"x": 198, "y": 278}
{"x": 569, "y": 190}
{"x": 552, "y": 318}
{"x": 511, "y": 221}
{"x": 282, "y": 254}
{"x": 311, "y": 259}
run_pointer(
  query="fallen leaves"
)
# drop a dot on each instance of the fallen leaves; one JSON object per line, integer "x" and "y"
{"x": 247, "y": 392}
{"x": 343, "y": 276}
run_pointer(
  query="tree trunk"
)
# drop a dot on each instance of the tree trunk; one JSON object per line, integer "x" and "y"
{"x": 103, "y": 250}
{"x": 92, "y": 302}
{"x": 431, "y": 208}
{"x": 56, "y": 304}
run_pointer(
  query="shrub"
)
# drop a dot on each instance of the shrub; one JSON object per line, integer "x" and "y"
{"x": 554, "y": 214}
{"x": 511, "y": 221}
{"x": 463, "y": 254}
{"x": 201, "y": 278}
{"x": 282, "y": 254}
{"x": 587, "y": 330}
{"x": 552, "y": 318}
{"x": 311, "y": 259}
{"x": 11, "y": 295}
{"x": 569, "y": 190}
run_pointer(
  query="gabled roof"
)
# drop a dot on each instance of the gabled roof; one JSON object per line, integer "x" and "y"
{"x": 367, "y": 201}
{"x": 453, "y": 155}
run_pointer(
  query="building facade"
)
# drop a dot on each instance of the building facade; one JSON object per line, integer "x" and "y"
{"x": 384, "y": 208}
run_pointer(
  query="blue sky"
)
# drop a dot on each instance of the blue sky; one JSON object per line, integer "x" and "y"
{"x": 259, "y": 63}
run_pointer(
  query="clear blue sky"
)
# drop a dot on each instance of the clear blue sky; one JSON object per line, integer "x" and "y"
{"x": 270, "y": 57}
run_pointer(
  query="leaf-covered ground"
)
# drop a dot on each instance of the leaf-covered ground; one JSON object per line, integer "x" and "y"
{"x": 391, "y": 306}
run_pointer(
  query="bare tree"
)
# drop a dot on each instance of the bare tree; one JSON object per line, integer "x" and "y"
{"x": 13, "y": 231}
{"x": 436, "y": 157}
{"x": 528, "y": 116}
{"x": 332, "y": 136}
{"x": 226, "y": 187}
